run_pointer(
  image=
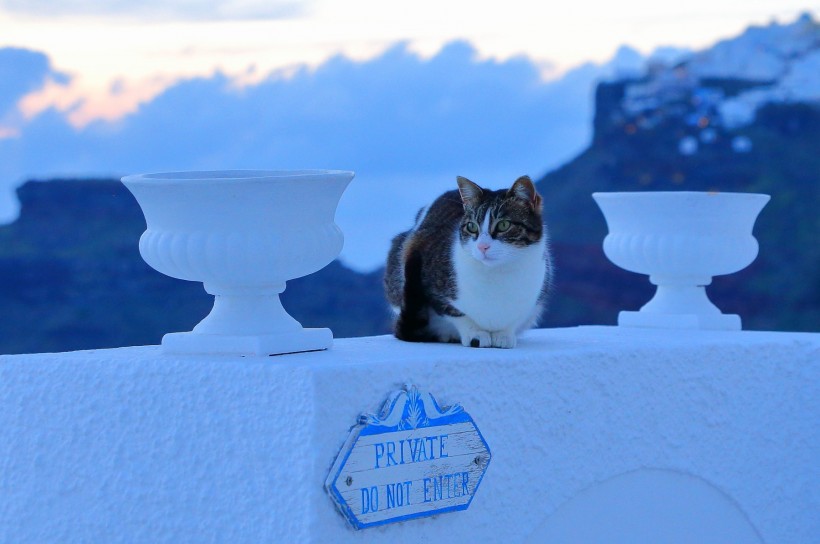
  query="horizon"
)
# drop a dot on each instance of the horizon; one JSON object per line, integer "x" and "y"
{"x": 465, "y": 107}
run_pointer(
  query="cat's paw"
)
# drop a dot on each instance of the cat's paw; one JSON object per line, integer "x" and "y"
{"x": 476, "y": 339}
{"x": 503, "y": 339}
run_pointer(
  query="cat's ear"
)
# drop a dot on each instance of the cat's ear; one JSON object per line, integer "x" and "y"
{"x": 469, "y": 191}
{"x": 523, "y": 189}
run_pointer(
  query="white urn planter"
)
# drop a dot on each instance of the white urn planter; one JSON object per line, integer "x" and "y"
{"x": 243, "y": 234}
{"x": 681, "y": 240}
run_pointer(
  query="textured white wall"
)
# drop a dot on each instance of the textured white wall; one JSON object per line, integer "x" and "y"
{"x": 128, "y": 445}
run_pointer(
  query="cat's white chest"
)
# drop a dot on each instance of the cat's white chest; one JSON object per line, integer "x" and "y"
{"x": 502, "y": 297}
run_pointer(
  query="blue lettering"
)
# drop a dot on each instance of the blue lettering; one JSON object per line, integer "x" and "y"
{"x": 446, "y": 486}
{"x": 430, "y": 440}
{"x": 398, "y": 494}
{"x": 379, "y": 453}
{"x": 374, "y": 499}
{"x": 391, "y": 496}
{"x": 427, "y": 448}
{"x": 414, "y": 450}
{"x": 365, "y": 500}
{"x": 438, "y": 491}
{"x": 391, "y": 449}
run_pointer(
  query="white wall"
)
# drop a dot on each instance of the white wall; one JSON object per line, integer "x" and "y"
{"x": 593, "y": 423}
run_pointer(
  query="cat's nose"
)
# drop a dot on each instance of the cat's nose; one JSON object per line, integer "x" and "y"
{"x": 483, "y": 247}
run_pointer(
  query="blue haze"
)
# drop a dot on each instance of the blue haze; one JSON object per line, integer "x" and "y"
{"x": 406, "y": 125}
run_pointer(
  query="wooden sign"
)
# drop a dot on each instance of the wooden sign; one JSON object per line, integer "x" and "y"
{"x": 415, "y": 459}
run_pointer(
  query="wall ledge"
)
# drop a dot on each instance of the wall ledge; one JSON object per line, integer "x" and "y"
{"x": 130, "y": 445}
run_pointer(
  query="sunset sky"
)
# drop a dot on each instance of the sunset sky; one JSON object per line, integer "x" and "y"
{"x": 118, "y": 53}
{"x": 407, "y": 94}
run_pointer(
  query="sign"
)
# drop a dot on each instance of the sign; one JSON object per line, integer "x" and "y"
{"x": 415, "y": 459}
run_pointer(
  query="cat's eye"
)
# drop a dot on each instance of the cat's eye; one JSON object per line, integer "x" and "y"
{"x": 471, "y": 227}
{"x": 503, "y": 225}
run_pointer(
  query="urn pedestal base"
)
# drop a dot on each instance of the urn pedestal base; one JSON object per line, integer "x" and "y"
{"x": 723, "y": 322}
{"x": 680, "y": 303}
{"x": 263, "y": 344}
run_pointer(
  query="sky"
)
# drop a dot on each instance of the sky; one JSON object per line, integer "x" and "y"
{"x": 408, "y": 95}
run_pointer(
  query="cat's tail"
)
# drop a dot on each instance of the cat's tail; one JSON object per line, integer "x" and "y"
{"x": 413, "y": 321}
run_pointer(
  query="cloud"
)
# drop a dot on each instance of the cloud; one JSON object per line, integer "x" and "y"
{"x": 160, "y": 9}
{"x": 22, "y": 71}
{"x": 395, "y": 113}
{"x": 407, "y": 126}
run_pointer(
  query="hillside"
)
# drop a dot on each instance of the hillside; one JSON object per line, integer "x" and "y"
{"x": 678, "y": 128}
{"x": 743, "y": 115}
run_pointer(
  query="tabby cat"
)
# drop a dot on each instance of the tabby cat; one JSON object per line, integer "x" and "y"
{"x": 474, "y": 268}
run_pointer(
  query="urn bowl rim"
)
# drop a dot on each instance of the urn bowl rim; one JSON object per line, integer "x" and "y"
{"x": 232, "y": 176}
{"x": 671, "y": 195}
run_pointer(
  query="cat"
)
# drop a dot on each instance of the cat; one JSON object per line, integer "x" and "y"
{"x": 475, "y": 268}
